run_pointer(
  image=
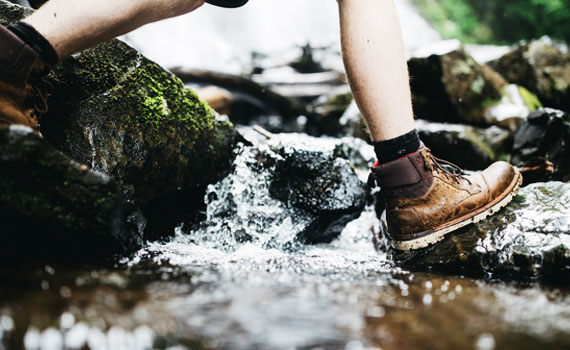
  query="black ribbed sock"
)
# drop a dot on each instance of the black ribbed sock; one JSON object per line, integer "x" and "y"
{"x": 36, "y": 41}
{"x": 395, "y": 148}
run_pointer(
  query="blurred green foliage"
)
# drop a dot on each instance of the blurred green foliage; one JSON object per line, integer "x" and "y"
{"x": 498, "y": 21}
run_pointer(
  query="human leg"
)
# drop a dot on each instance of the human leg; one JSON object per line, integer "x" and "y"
{"x": 55, "y": 31}
{"x": 424, "y": 200}
{"x": 375, "y": 63}
{"x": 71, "y": 26}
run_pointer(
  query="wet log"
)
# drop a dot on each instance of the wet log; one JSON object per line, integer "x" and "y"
{"x": 286, "y": 107}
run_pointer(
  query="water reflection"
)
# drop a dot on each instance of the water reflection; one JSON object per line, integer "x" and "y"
{"x": 343, "y": 295}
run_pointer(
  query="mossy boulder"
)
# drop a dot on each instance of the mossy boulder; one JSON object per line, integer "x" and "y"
{"x": 122, "y": 114}
{"x": 528, "y": 240}
{"x": 453, "y": 87}
{"x": 54, "y": 208}
{"x": 541, "y": 68}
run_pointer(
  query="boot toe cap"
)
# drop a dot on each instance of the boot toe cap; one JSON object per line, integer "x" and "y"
{"x": 500, "y": 177}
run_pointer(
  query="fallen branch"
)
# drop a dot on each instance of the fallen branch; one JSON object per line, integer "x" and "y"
{"x": 287, "y": 108}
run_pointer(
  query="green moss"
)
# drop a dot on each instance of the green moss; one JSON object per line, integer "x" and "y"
{"x": 544, "y": 190}
{"x": 455, "y": 19}
{"x": 530, "y": 100}
{"x": 489, "y": 102}
{"x": 504, "y": 156}
{"x": 519, "y": 199}
{"x": 159, "y": 100}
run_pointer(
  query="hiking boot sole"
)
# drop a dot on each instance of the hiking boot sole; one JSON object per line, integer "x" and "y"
{"x": 437, "y": 234}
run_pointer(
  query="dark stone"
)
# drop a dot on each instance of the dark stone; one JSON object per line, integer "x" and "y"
{"x": 307, "y": 63}
{"x": 321, "y": 185}
{"x": 325, "y": 113}
{"x": 454, "y": 88}
{"x": 428, "y": 87}
{"x": 290, "y": 190}
{"x": 467, "y": 146}
{"x": 528, "y": 240}
{"x": 53, "y": 208}
{"x": 10, "y": 13}
{"x": 544, "y": 137}
{"x": 122, "y": 114}
{"x": 119, "y": 113}
{"x": 542, "y": 69}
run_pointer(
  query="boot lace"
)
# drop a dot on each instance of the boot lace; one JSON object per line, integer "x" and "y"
{"x": 41, "y": 91}
{"x": 455, "y": 173}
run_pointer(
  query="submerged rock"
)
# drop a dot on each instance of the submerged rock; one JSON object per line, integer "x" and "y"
{"x": 289, "y": 190}
{"x": 454, "y": 88}
{"x": 542, "y": 68}
{"x": 528, "y": 240}
{"x": 54, "y": 208}
{"x": 544, "y": 139}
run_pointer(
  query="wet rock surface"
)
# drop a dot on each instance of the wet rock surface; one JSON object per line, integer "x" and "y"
{"x": 120, "y": 113}
{"x": 542, "y": 68}
{"x": 453, "y": 87}
{"x": 289, "y": 190}
{"x": 544, "y": 139}
{"x": 469, "y": 147}
{"x": 56, "y": 209}
{"x": 10, "y": 13}
{"x": 528, "y": 240}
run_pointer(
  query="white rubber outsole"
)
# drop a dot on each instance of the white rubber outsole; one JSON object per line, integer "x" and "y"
{"x": 439, "y": 233}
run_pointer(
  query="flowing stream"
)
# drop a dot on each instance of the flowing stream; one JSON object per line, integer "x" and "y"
{"x": 202, "y": 290}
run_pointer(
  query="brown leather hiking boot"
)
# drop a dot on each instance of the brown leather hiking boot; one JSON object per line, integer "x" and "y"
{"x": 425, "y": 201}
{"x": 20, "y": 69}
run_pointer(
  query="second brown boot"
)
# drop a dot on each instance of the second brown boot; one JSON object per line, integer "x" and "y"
{"x": 20, "y": 69}
{"x": 425, "y": 201}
